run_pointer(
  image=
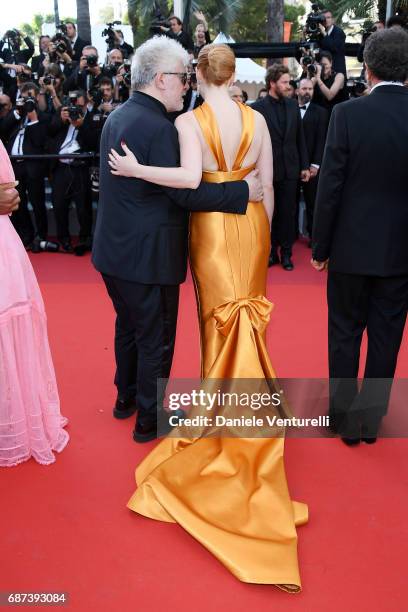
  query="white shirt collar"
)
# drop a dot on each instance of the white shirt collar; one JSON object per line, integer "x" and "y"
{"x": 386, "y": 83}
{"x": 73, "y": 40}
{"x": 330, "y": 30}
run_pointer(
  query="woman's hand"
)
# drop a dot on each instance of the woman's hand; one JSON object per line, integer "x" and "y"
{"x": 125, "y": 165}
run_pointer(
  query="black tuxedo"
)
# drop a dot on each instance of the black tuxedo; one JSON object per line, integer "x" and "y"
{"x": 289, "y": 158}
{"x": 183, "y": 38}
{"x": 140, "y": 245}
{"x": 77, "y": 48}
{"x": 335, "y": 44}
{"x": 315, "y": 121}
{"x": 361, "y": 225}
{"x": 72, "y": 181}
{"x": 29, "y": 173}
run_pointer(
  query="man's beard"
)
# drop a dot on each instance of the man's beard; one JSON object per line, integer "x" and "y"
{"x": 305, "y": 99}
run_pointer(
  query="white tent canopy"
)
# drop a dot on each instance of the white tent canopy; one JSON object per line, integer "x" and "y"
{"x": 247, "y": 71}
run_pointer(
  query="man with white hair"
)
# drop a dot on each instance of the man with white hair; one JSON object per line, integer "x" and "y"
{"x": 141, "y": 235}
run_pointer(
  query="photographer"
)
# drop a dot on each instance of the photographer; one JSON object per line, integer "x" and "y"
{"x": 378, "y": 25}
{"x": 176, "y": 31}
{"x": 122, "y": 83}
{"x": 332, "y": 39}
{"x": 8, "y": 83}
{"x": 77, "y": 43}
{"x": 37, "y": 60}
{"x": 120, "y": 44}
{"x": 114, "y": 62}
{"x": 87, "y": 74}
{"x": 60, "y": 52}
{"x": 25, "y": 133}
{"x": 51, "y": 93}
{"x": 71, "y": 131}
{"x": 328, "y": 84}
{"x": 13, "y": 54}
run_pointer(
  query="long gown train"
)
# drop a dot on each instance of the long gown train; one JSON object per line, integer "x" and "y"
{"x": 229, "y": 493}
{"x": 31, "y": 424}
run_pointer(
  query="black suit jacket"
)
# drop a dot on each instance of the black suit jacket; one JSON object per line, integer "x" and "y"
{"x": 141, "y": 231}
{"x": 184, "y": 39}
{"x": 20, "y": 57}
{"x": 57, "y": 132}
{"x": 315, "y": 122}
{"x": 289, "y": 148}
{"x": 361, "y": 214}
{"x": 335, "y": 44}
{"x": 35, "y": 138}
{"x": 77, "y": 48}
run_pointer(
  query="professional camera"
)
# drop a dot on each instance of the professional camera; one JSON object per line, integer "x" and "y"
{"x": 309, "y": 57}
{"x": 48, "y": 80}
{"x": 368, "y": 29}
{"x": 313, "y": 20}
{"x": 96, "y": 95}
{"x": 158, "y": 23}
{"x": 109, "y": 32}
{"x": 60, "y": 43}
{"x": 26, "y": 105}
{"x": 91, "y": 61}
{"x": 23, "y": 77}
{"x": 356, "y": 87}
{"x": 111, "y": 70}
{"x": 63, "y": 27}
{"x": 74, "y": 110}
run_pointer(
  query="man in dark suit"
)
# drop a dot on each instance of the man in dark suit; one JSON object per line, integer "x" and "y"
{"x": 141, "y": 234}
{"x": 37, "y": 60}
{"x": 290, "y": 159}
{"x": 73, "y": 131}
{"x": 177, "y": 33}
{"x": 24, "y": 131}
{"x": 333, "y": 39}
{"x": 361, "y": 229}
{"x": 315, "y": 120}
{"x": 77, "y": 43}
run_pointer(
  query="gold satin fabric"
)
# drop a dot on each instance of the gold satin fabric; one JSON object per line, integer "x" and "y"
{"x": 229, "y": 493}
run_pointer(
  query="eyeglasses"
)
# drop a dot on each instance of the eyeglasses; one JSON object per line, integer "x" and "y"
{"x": 184, "y": 76}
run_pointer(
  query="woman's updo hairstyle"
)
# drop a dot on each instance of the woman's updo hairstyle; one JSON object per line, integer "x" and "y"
{"x": 216, "y": 64}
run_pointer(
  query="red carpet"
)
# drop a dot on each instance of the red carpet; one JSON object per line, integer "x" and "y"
{"x": 66, "y": 528}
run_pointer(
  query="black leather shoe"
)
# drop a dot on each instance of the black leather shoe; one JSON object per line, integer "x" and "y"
{"x": 124, "y": 408}
{"x": 83, "y": 247}
{"x": 287, "y": 263}
{"x": 35, "y": 246}
{"x": 273, "y": 259}
{"x": 369, "y": 440}
{"x": 351, "y": 441}
{"x": 66, "y": 247}
{"x": 146, "y": 432}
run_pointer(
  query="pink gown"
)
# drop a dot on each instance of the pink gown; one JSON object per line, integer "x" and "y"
{"x": 31, "y": 424}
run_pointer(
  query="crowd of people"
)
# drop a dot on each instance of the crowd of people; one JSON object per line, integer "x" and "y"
{"x": 56, "y": 103}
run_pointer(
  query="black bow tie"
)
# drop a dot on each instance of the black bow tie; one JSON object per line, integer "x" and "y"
{"x": 303, "y": 107}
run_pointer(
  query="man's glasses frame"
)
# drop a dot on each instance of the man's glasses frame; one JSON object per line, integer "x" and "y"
{"x": 184, "y": 76}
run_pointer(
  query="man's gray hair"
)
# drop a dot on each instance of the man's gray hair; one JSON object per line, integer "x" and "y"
{"x": 158, "y": 54}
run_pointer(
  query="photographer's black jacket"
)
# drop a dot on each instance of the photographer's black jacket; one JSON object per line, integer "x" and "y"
{"x": 141, "y": 232}
{"x": 335, "y": 44}
{"x": 78, "y": 80}
{"x": 35, "y": 138}
{"x": 289, "y": 147}
{"x": 77, "y": 48}
{"x": 58, "y": 130}
{"x": 19, "y": 57}
{"x": 315, "y": 122}
{"x": 361, "y": 214}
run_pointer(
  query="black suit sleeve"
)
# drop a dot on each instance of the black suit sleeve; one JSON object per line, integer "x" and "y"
{"x": 331, "y": 182}
{"x": 335, "y": 42}
{"x": 321, "y": 134}
{"x": 30, "y": 48}
{"x": 208, "y": 197}
{"x": 301, "y": 142}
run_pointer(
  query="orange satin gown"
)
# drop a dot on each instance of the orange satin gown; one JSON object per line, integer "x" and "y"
{"x": 230, "y": 494}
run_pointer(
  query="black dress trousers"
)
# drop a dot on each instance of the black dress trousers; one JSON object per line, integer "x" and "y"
{"x": 357, "y": 302}
{"x": 145, "y": 332}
